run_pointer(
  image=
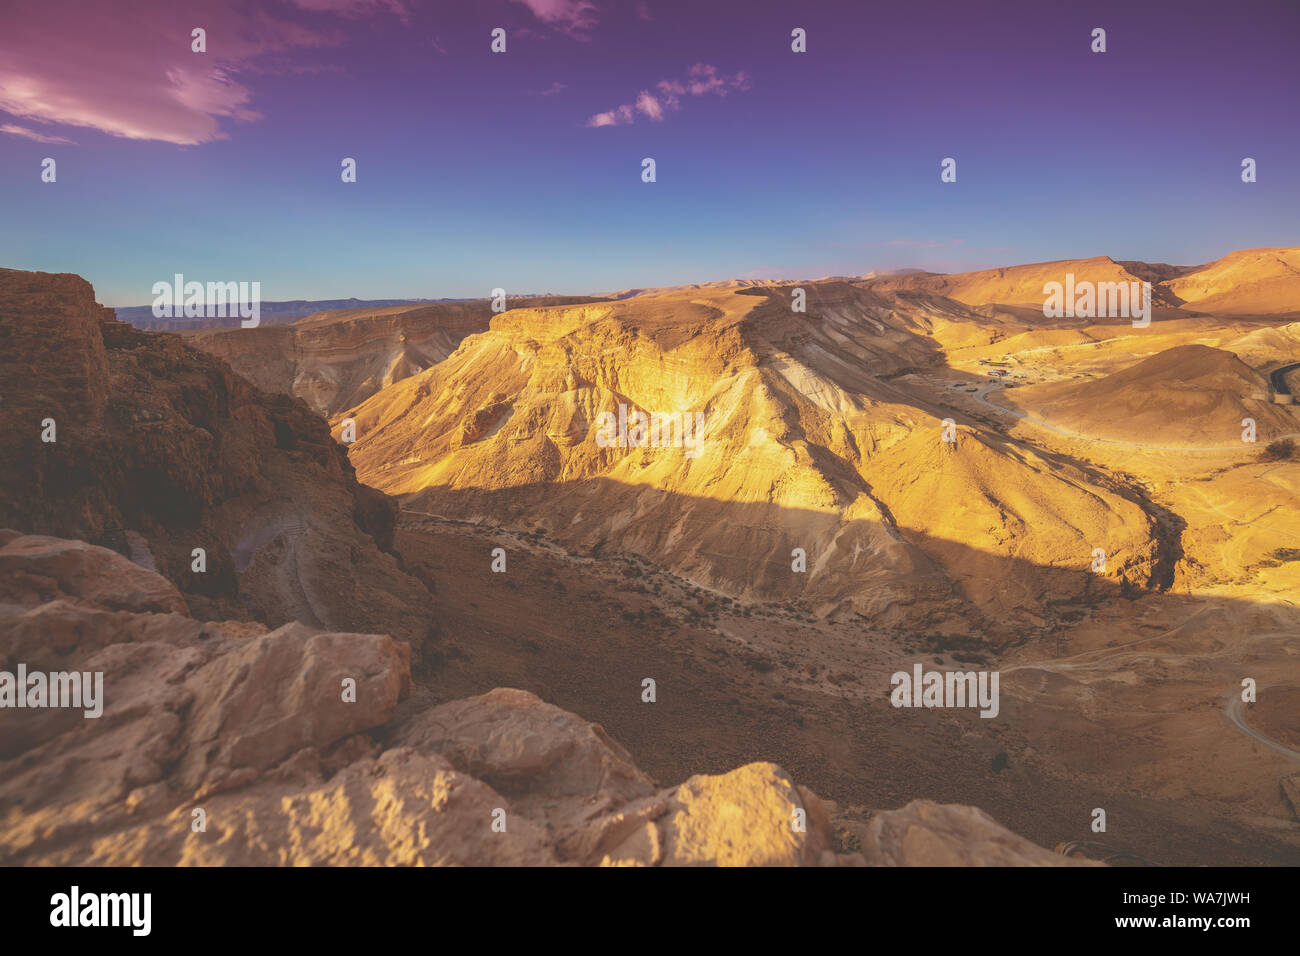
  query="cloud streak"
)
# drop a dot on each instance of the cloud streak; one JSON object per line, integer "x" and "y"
{"x": 15, "y": 130}
{"x": 129, "y": 71}
{"x": 700, "y": 80}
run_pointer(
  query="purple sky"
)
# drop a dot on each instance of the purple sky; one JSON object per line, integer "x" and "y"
{"x": 523, "y": 169}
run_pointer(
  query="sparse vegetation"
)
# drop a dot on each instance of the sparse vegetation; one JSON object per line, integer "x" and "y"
{"x": 1281, "y": 556}
{"x": 1280, "y": 450}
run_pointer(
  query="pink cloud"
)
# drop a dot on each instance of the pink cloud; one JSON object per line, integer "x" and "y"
{"x": 569, "y": 16}
{"x": 128, "y": 70}
{"x": 700, "y": 79}
{"x": 649, "y": 105}
{"x": 25, "y": 133}
{"x": 619, "y": 116}
{"x": 353, "y": 8}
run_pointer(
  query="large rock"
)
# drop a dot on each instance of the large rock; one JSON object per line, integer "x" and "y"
{"x": 33, "y": 567}
{"x": 566, "y": 773}
{"x": 924, "y": 833}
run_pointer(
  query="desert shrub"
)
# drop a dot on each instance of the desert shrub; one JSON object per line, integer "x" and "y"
{"x": 1281, "y": 556}
{"x": 1280, "y": 450}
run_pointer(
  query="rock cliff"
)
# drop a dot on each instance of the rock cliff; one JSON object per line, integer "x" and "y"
{"x": 136, "y": 441}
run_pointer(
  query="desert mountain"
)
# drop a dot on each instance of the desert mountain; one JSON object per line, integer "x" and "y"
{"x": 134, "y": 440}
{"x": 1246, "y": 282}
{"x": 1015, "y": 285}
{"x": 271, "y": 313}
{"x": 338, "y": 358}
{"x": 809, "y": 438}
{"x": 228, "y": 744}
{"x": 1189, "y": 394}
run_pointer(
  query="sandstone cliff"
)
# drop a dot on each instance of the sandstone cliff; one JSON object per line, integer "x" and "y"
{"x": 160, "y": 449}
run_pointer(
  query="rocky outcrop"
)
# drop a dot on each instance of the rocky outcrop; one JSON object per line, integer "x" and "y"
{"x": 228, "y": 744}
{"x": 135, "y": 441}
{"x": 481, "y": 422}
{"x": 335, "y": 360}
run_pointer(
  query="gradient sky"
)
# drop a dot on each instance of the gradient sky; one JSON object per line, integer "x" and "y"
{"x": 478, "y": 170}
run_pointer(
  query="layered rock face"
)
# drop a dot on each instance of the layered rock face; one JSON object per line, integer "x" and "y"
{"x": 337, "y": 359}
{"x": 158, "y": 450}
{"x": 808, "y": 439}
{"x": 230, "y": 744}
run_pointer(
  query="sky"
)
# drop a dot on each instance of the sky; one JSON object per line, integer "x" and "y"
{"x": 523, "y": 170}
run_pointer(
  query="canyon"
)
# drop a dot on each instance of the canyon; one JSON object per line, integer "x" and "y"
{"x": 825, "y": 536}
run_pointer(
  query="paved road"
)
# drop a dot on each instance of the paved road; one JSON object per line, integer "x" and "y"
{"x": 1234, "y": 711}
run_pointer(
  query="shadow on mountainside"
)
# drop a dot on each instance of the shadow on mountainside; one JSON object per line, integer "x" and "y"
{"x": 583, "y": 624}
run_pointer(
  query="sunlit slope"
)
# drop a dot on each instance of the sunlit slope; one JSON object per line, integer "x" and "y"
{"x": 810, "y": 441}
{"x": 1245, "y": 282}
{"x": 334, "y": 359}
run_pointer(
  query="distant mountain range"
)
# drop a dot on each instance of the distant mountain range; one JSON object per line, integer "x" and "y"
{"x": 273, "y": 313}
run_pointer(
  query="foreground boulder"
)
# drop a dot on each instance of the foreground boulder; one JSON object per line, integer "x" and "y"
{"x": 228, "y": 744}
{"x": 931, "y": 834}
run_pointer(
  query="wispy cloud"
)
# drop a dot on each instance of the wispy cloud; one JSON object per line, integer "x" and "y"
{"x": 556, "y": 87}
{"x": 26, "y": 133}
{"x": 128, "y": 70}
{"x": 574, "y": 17}
{"x": 667, "y": 96}
{"x": 354, "y": 8}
